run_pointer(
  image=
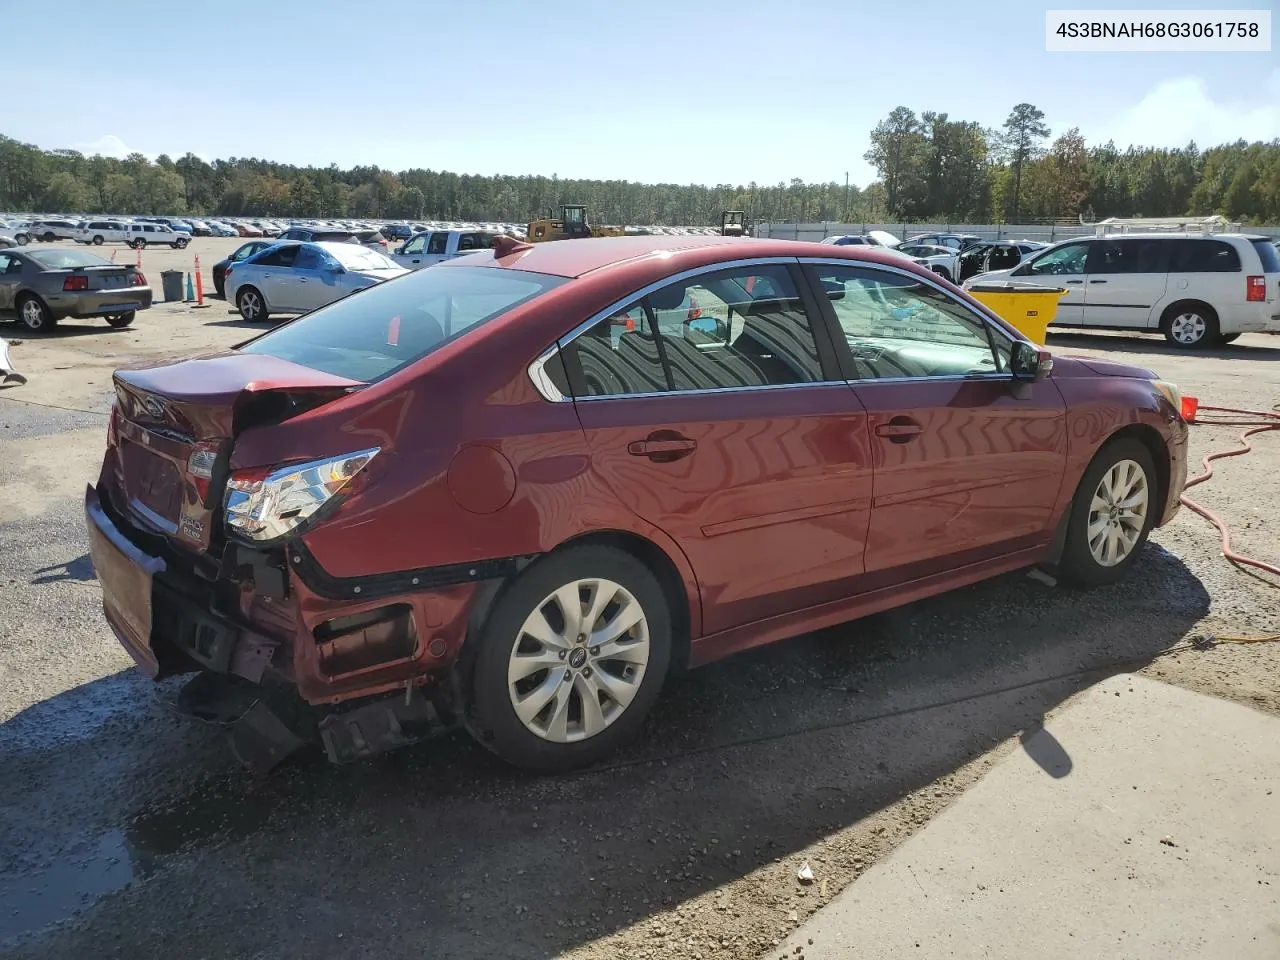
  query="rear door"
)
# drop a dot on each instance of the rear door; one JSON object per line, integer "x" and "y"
{"x": 10, "y": 274}
{"x": 713, "y": 409}
{"x": 308, "y": 287}
{"x": 1063, "y": 265}
{"x": 274, "y": 277}
{"x": 967, "y": 466}
{"x": 1125, "y": 281}
{"x": 1208, "y": 270}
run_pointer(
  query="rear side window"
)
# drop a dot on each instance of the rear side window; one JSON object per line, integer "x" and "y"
{"x": 278, "y": 256}
{"x": 1203, "y": 256}
{"x": 383, "y": 328}
{"x": 1129, "y": 256}
{"x": 438, "y": 243}
{"x": 1268, "y": 254}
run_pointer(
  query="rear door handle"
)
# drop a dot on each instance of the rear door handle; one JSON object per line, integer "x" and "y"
{"x": 899, "y": 430}
{"x": 1097, "y": 281}
{"x": 662, "y": 449}
{"x": 1075, "y": 281}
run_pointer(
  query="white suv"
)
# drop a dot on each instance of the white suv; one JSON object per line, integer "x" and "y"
{"x": 98, "y": 232}
{"x": 1198, "y": 289}
{"x": 141, "y": 234}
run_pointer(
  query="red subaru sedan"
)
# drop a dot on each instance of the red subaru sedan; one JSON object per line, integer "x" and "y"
{"x": 513, "y": 491}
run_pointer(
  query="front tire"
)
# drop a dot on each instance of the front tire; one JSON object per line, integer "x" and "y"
{"x": 252, "y": 307}
{"x": 97, "y": 241}
{"x": 180, "y": 244}
{"x": 1111, "y": 515}
{"x": 119, "y": 320}
{"x": 140, "y": 244}
{"x": 571, "y": 660}
{"x": 35, "y": 316}
{"x": 1190, "y": 325}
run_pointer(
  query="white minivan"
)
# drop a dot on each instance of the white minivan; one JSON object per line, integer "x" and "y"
{"x": 1198, "y": 289}
{"x": 98, "y": 232}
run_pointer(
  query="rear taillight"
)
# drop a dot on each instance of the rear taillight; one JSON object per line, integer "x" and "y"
{"x": 1255, "y": 289}
{"x": 200, "y": 464}
{"x": 136, "y": 279}
{"x": 226, "y": 273}
{"x": 81, "y": 282}
{"x": 265, "y": 505}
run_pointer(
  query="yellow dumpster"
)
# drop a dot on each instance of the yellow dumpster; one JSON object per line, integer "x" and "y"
{"x": 1027, "y": 306}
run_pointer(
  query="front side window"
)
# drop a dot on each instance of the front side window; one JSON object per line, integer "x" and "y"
{"x": 898, "y": 326}
{"x": 1066, "y": 260}
{"x": 417, "y": 244}
{"x": 438, "y": 243}
{"x": 383, "y": 328}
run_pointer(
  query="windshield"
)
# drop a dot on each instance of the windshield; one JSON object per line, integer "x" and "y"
{"x": 354, "y": 257}
{"x": 66, "y": 259}
{"x": 372, "y": 334}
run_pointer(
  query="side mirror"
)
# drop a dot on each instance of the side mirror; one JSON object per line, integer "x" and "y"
{"x": 400, "y": 250}
{"x": 1029, "y": 363}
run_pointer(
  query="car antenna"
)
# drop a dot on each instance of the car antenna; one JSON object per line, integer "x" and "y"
{"x": 504, "y": 245}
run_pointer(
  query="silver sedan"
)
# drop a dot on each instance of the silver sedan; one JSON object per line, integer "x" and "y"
{"x": 298, "y": 277}
{"x": 41, "y": 287}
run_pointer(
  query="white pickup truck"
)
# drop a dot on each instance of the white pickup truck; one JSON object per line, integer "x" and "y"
{"x": 424, "y": 249}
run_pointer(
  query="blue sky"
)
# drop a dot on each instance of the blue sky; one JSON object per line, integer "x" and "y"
{"x": 699, "y": 91}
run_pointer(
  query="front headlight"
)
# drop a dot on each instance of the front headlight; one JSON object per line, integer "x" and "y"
{"x": 272, "y": 505}
{"x": 1170, "y": 392}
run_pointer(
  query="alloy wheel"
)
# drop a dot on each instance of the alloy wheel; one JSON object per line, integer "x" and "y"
{"x": 578, "y": 660}
{"x": 1188, "y": 328}
{"x": 250, "y": 305}
{"x": 33, "y": 314}
{"x": 1118, "y": 512}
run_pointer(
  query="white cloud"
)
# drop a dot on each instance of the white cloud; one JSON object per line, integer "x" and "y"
{"x": 107, "y": 146}
{"x": 1180, "y": 110}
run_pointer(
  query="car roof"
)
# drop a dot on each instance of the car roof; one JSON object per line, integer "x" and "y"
{"x": 576, "y": 258}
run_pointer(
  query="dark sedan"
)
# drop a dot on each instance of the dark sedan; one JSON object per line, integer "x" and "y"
{"x": 41, "y": 287}
{"x": 243, "y": 252}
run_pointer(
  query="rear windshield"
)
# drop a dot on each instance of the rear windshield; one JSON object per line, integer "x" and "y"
{"x": 1268, "y": 254}
{"x": 372, "y": 334}
{"x": 66, "y": 259}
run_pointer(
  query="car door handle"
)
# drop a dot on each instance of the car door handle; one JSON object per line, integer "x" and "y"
{"x": 1097, "y": 281}
{"x": 662, "y": 449}
{"x": 899, "y": 430}
{"x": 1075, "y": 281}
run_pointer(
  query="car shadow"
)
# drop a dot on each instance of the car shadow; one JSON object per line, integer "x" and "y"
{"x": 442, "y": 850}
{"x": 1155, "y": 344}
{"x": 65, "y": 328}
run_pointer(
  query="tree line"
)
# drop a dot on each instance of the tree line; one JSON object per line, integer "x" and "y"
{"x": 931, "y": 168}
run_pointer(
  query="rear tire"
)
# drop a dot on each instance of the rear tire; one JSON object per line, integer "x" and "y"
{"x": 34, "y": 315}
{"x": 49, "y": 237}
{"x": 251, "y": 304}
{"x": 1190, "y": 325}
{"x": 140, "y": 244}
{"x": 622, "y": 671}
{"x": 119, "y": 320}
{"x": 97, "y": 241}
{"x": 1111, "y": 515}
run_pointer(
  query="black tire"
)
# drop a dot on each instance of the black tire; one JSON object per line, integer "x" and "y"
{"x": 140, "y": 243}
{"x": 1225, "y": 338}
{"x": 180, "y": 243}
{"x": 23, "y": 239}
{"x": 492, "y": 716}
{"x": 220, "y": 289}
{"x": 97, "y": 241}
{"x": 251, "y": 310}
{"x": 1186, "y": 315}
{"x": 33, "y": 314}
{"x": 119, "y": 320}
{"x": 49, "y": 237}
{"x": 1078, "y": 562}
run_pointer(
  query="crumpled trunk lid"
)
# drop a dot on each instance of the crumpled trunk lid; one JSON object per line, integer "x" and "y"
{"x": 166, "y": 412}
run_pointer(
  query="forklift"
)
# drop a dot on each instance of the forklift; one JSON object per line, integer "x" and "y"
{"x": 733, "y": 223}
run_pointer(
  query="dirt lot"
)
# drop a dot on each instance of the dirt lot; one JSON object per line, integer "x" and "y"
{"x": 126, "y": 831}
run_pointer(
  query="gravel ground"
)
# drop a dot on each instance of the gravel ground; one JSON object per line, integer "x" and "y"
{"x": 125, "y": 831}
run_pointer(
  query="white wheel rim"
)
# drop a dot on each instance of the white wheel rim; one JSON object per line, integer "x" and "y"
{"x": 1188, "y": 327}
{"x": 578, "y": 660}
{"x": 249, "y": 305}
{"x": 1118, "y": 512}
{"x": 31, "y": 315}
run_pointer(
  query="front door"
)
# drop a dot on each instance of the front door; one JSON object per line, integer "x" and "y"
{"x": 711, "y": 413}
{"x": 10, "y": 273}
{"x": 1125, "y": 280}
{"x": 1065, "y": 266}
{"x": 967, "y": 464}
